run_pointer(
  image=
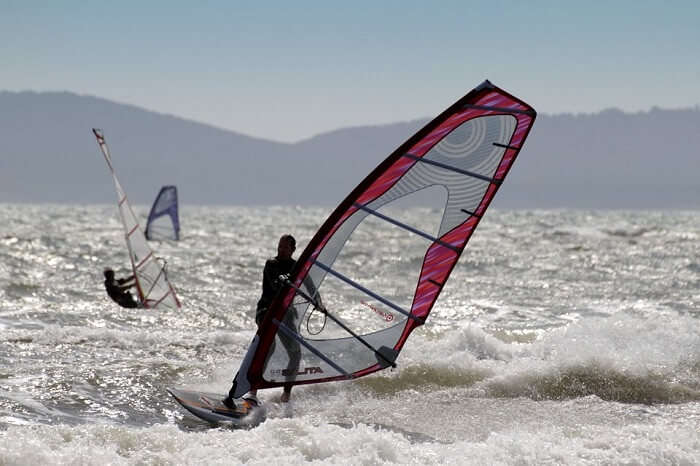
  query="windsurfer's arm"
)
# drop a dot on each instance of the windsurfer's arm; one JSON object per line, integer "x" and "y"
{"x": 309, "y": 283}
{"x": 126, "y": 283}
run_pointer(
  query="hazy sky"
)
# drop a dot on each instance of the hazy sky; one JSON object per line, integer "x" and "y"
{"x": 288, "y": 70}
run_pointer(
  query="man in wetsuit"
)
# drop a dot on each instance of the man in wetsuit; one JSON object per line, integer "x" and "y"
{"x": 282, "y": 264}
{"x": 118, "y": 289}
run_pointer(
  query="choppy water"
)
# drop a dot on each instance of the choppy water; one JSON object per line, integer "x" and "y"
{"x": 561, "y": 337}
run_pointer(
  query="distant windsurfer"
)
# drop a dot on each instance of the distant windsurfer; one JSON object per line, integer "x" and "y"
{"x": 118, "y": 289}
{"x": 276, "y": 268}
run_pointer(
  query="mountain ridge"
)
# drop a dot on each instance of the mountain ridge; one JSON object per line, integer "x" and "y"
{"x": 609, "y": 159}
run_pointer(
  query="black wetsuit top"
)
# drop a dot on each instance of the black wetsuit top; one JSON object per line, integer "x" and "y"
{"x": 271, "y": 284}
{"x": 118, "y": 295}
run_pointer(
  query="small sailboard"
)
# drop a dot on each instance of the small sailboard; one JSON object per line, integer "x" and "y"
{"x": 248, "y": 412}
{"x": 152, "y": 282}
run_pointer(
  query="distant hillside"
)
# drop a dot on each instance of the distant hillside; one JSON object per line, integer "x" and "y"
{"x": 605, "y": 160}
{"x": 609, "y": 160}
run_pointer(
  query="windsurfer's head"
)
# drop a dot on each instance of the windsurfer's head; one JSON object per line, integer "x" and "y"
{"x": 286, "y": 246}
{"x": 109, "y": 273}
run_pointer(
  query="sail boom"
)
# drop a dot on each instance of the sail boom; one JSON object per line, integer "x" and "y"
{"x": 291, "y": 333}
{"x": 506, "y": 146}
{"x": 340, "y": 323}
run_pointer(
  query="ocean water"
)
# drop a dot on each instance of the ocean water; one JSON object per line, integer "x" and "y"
{"x": 562, "y": 337}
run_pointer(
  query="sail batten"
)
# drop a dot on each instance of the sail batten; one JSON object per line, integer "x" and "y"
{"x": 401, "y": 224}
{"x": 365, "y": 290}
{"x": 501, "y": 109}
{"x": 454, "y": 169}
{"x": 145, "y": 260}
{"x": 393, "y": 266}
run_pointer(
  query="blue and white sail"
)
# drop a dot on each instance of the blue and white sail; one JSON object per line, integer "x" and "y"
{"x": 164, "y": 220}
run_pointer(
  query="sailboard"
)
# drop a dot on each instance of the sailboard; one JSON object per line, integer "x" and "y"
{"x": 465, "y": 153}
{"x": 164, "y": 219}
{"x": 150, "y": 272}
{"x": 247, "y": 412}
{"x": 373, "y": 271}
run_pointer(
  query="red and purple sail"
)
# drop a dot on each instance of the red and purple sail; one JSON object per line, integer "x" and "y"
{"x": 373, "y": 271}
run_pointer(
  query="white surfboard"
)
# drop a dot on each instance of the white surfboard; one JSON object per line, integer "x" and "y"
{"x": 248, "y": 412}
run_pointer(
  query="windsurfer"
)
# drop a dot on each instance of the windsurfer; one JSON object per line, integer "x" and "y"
{"x": 273, "y": 273}
{"x": 118, "y": 289}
